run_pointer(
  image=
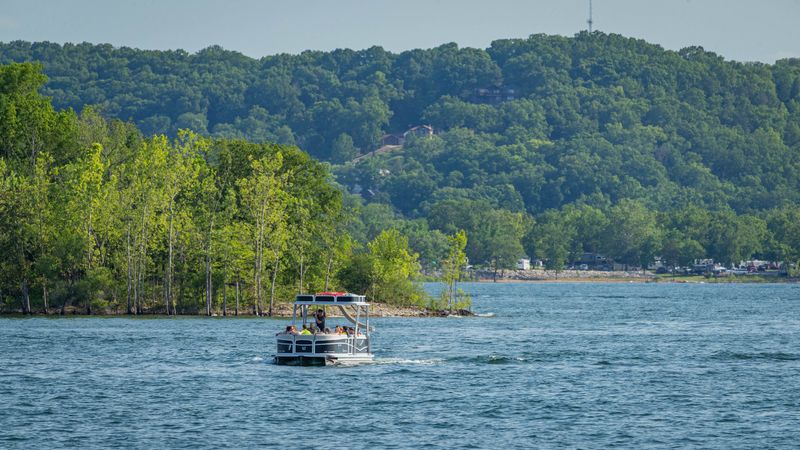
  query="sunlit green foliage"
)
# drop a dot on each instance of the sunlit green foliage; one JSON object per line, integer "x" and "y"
{"x": 453, "y": 270}
{"x": 385, "y": 270}
{"x": 94, "y": 216}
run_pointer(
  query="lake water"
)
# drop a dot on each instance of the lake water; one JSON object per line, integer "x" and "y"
{"x": 559, "y": 365}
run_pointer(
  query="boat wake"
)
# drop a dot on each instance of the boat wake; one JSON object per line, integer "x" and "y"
{"x": 490, "y": 359}
{"x": 403, "y": 361}
{"x": 489, "y": 314}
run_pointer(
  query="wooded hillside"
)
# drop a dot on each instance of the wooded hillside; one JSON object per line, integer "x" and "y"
{"x": 549, "y": 146}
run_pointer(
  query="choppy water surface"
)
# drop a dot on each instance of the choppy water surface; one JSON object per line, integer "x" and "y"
{"x": 576, "y": 365}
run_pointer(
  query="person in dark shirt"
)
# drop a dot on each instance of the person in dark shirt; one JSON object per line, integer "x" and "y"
{"x": 319, "y": 316}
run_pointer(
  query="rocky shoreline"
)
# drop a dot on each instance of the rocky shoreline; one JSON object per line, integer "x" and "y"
{"x": 281, "y": 310}
{"x": 382, "y": 310}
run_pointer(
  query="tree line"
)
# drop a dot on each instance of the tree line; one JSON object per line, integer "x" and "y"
{"x": 95, "y": 216}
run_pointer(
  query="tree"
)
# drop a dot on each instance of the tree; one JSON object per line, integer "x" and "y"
{"x": 453, "y": 270}
{"x": 784, "y": 224}
{"x": 182, "y": 173}
{"x": 87, "y": 198}
{"x": 356, "y": 273}
{"x": 735, "y": 238}
{"x": 16, "y": 238}
{"x": 632, "y": 236}
{"x": 552, "y": 239}
{"x": 342, "y": 149}
{"x": 392, "y": 267}
{"x": 264, "y": 201}
{"x": 498, "y": 235}
{"x": 679, "y": 250}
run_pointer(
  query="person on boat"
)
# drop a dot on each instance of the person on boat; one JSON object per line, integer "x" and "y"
{"x": 327, "y": 330}
{"x": 319, "y": 317}
{"x": 305, "y": 330}
{"x": 291, "y": 329}
{"x": 339, "y": 329}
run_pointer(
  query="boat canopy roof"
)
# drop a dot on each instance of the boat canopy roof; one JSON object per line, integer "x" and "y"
{"x": 331, "y": 298}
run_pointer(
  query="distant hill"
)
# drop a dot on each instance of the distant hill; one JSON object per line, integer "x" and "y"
{"x": 588, "y": 124}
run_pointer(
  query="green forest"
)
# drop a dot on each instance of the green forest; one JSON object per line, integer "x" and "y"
{"x": 547, "y": 146}
{"x": 97, "y": 217}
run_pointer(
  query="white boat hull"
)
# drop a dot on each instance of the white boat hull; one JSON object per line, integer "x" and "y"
{"x": 322, "y": 349}
{"x": 322, "y": 360}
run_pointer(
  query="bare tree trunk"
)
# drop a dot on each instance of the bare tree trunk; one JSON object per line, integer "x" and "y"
{"x": 44, "y": 296}
{"x": 224, "y": 297}
{"x": 140, "y": 296}
{"x": 139, "y": 286}
{"x": 168, "y": 290}
{"x": 328, "y": 271}
{"x": 128, "y": 249}
{"x": 177, "y": 285}
{"x": 260, "y": 283}
{"x": 90, "y": 262}
{"x": 135, "y": 286}
{"x": 300, "y": 290}
{"x": 450, "y": 292}
{"x": 26, "y": 298}
{"x": 208, "y": 283}
{"x": 260, "y": 269}
{"x": 164, "y": 296}
{"x": 236, "y": 311}
{"x": 139, "y": 292}
{"x": 136, "y": 290}
{"x": 272, "y": 289}
{"x": 155, "y": 288}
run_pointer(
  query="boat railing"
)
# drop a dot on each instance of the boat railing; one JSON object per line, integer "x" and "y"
{"x": 310, "y": 344}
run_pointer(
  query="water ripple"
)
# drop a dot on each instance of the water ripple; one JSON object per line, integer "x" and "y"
{"x": 559, "y": 365}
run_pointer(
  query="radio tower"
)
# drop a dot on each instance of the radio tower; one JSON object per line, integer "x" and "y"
{"x": 590, "y": 17}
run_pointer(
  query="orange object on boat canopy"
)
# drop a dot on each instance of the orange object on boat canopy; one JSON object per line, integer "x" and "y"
{"x": 335, "y": 294}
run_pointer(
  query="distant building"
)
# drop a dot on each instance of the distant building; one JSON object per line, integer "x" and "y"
{"x": 705, "y": 265}
{"x": 658, "y": 262}
{"x": 524, "y": 264}
{"x": 400, "y": 138}
{"x": 419, "y": 131}
{"x": 593, "y": 260}
{"x": 494, "y": 95}
{"x": 392, "y": 139}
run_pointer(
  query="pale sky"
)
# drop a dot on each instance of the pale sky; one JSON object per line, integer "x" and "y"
{"x": 742, "y": 30}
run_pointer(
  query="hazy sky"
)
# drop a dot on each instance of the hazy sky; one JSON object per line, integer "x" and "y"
{"x": 744, "y": 30}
